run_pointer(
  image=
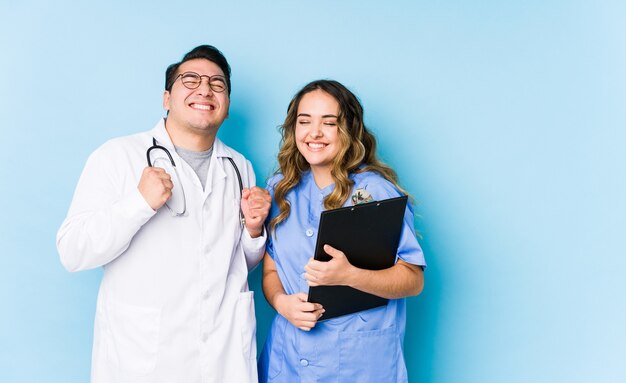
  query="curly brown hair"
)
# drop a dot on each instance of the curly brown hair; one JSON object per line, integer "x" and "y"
{"x": 356, "y": 155}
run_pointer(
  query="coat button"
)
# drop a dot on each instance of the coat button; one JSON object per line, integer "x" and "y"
{"x": 304, "y": 362}
{"x": 309, "y": 232}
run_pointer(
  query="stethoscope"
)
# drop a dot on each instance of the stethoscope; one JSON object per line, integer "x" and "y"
{"x": 181, "y": 211}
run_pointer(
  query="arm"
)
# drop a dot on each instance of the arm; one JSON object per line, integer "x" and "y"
{"x": 103, "y": 218}
{"x": 294, "y": 308}
{"x": 399, "y": 281}
{"x": 255, "y": 206}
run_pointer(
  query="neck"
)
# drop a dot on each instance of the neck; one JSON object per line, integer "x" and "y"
{"x": 322, "y": 176}
{"x": 196, "y": 141}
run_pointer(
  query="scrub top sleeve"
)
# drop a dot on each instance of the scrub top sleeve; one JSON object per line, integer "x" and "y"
{"x": 409, "y": 249}
{"x": 270, "y": 185}
{"x": 269, "y": 247}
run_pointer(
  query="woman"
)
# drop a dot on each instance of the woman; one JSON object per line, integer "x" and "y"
{"x": 328, "y": 160}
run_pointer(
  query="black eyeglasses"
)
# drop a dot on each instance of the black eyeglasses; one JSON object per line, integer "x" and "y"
{"x": 192, "y": 80}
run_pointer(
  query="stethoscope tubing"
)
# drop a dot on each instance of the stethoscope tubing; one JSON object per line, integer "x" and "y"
{"x": 169, "y": 155}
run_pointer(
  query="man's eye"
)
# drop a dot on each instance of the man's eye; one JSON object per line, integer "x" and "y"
{"x": 218, "y": 82}
{"x": 190, "y": 80}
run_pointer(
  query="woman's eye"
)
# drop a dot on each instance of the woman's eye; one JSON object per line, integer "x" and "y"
{"x": 303, "y": 122}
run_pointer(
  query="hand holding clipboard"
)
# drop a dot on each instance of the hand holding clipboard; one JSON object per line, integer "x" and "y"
{"x": 368, "y": 235}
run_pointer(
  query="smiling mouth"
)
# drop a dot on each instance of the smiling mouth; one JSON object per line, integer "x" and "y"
{"x": 202, "y": 107}
{"x": 316, "y": 145}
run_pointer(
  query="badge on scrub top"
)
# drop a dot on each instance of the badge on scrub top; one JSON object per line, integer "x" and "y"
{"x": 361, "y": 196}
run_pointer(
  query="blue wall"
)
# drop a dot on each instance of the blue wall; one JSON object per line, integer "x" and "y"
{"x": 505, "y": 120}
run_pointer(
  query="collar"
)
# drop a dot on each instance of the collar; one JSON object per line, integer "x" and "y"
{"x": 163, "y": 138}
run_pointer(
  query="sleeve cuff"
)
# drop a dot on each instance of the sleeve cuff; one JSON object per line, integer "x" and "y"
{"x": 135, "y": 208}
{"x": 253, "y": 248}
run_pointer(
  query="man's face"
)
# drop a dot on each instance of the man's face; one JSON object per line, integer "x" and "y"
{"x": 201, "y": 110}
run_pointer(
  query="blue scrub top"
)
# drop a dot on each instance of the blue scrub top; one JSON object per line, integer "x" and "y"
{"x": 360, "y": 347}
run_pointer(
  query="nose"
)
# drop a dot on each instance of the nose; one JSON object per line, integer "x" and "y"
{"x": 316, "y": 131}
{"x": 204, "y": 89}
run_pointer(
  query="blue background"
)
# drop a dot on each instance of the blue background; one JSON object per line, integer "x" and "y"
{"x": 505, "y": 120}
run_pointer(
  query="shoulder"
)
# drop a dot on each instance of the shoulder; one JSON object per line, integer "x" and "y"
{"x": 223, "y": 150}
{"x": 273, "y": 181}
{"x": 122, "y": 146}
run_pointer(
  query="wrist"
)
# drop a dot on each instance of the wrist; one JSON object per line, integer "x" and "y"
{"x": 276, "y": 302}
{"x": 255, "y": 232}
{"x": 353, "y": 276}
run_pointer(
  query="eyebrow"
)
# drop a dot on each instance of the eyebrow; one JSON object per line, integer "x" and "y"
{"x": 324, "y": 116}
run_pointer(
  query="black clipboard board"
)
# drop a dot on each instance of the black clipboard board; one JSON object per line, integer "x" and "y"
{"x": 369, "y": 235}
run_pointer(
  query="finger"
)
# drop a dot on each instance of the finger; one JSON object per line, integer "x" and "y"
{"x": 245, "y": 193}
{"x": 260, "y": 203}
{"x": 319, "y": 313}
{"x": 158, "y": 173}
{"x": 261, "y": 213}
{"x": 309, "y": 276}
{"x": 167, "y": 194}
{"x": 310, "y": 324}
{"x": 260, "y": 194}
{"x": 309, "y": 307}
{"x": 165, "y": 176}
{"x": 315, "y": 267}
{"x": 168, "y": 184}
{"x": 255, "y": 190}
{"x": 309, "y": 317}
{"x": 253, "y": 205}
{"x": 154, "y": 170}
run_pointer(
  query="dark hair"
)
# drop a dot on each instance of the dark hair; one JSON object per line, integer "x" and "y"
{"x": 207, "y": 52}
{"x": 356, "y": 155}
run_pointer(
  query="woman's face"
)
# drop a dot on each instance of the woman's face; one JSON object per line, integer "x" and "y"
{"x": 317, "y": 134}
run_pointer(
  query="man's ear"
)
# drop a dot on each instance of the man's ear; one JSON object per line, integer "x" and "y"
{"x": 166, "y": 100}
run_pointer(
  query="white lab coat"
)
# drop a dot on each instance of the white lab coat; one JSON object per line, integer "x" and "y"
{"x": 173, "y": 304}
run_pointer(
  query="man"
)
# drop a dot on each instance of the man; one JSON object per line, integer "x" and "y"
{"x": 165, "y": 214}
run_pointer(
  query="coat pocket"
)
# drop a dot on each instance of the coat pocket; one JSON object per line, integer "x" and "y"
{"x": 132, "y": 336}
{"x": 370, "y": 356}
{"x": 247, "y": 324}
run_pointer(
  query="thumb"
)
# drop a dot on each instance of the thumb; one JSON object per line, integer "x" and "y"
{"x": 245, "y": 193}
{"x": 332, "y": 251}
{"x": 303, "y": 297}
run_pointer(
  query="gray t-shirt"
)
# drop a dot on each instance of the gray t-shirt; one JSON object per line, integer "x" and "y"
{"x": 199, "y": 161}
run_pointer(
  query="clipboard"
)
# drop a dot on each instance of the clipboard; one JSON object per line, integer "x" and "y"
{"x": 369, "y": 235}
